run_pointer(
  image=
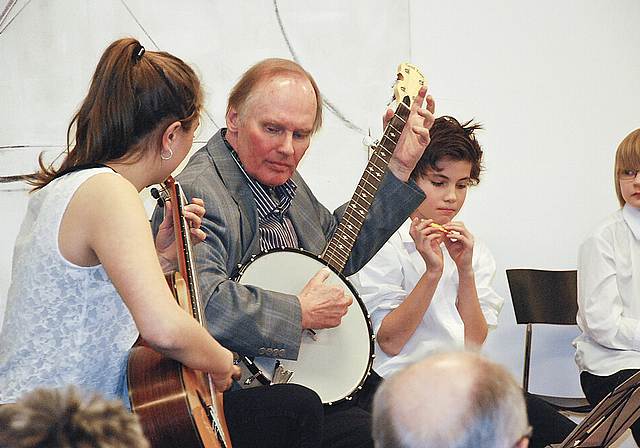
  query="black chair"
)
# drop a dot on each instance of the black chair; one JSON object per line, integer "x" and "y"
{"x": 545, "y": 297}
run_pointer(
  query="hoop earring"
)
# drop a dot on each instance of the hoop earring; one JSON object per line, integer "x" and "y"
{"x": 166, "y": 158}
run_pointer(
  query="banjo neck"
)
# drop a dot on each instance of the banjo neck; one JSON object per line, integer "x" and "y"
{"x": 339, "y": 248}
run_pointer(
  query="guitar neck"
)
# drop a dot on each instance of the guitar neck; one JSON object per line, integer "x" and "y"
{"x": 186, "y": 262}
{"x": 337, "y": 252}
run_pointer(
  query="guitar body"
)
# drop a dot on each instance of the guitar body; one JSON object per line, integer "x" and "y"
{"x": 338, "y": 361}
{"x": 177, "y": 406}
{"x": 165, "y": 396}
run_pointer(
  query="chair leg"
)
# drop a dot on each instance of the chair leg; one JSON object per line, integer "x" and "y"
{"x": 527, "y": 359}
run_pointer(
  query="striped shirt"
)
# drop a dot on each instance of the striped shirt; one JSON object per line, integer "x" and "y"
{"x": 276, "y": 229}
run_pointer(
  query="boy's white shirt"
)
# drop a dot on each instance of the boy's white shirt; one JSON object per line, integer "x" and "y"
{"x": 393, "y": 273}
{"x": 609, "y": 295}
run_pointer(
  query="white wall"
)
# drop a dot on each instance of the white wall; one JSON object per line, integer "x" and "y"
{"x": 555, "y": 83}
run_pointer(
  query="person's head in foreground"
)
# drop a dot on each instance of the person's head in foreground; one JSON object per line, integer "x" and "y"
{"x": 450, "y": 400}
{"x": 51, "y": 418}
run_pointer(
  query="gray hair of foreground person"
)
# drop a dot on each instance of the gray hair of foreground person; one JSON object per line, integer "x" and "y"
{"x": 51, "y": 418}
{"x": 450, "y": 400}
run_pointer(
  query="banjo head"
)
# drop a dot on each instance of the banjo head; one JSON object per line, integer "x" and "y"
{"x": 336, "y": 361}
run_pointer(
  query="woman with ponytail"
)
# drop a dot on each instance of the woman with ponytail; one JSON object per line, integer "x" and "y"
{"x": 87, "y": 277}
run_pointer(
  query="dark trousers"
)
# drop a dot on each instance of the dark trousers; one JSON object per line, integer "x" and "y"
{"x": 348, "y": 423}
{"x": 596, "y": 387}
{"x": 283, "y": 415}
{"x": 549, "y": 426}
{"x": 288, "y": 415}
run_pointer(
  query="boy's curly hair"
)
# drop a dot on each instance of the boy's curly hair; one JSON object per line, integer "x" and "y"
{"x": 50, "y": 418}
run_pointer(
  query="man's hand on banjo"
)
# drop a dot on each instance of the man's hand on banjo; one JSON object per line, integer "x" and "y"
{"x": 415, "y": 135}
{"x": 323, "y": 304}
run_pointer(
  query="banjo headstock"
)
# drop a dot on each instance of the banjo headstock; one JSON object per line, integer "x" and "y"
{"x": 409, "y": 81}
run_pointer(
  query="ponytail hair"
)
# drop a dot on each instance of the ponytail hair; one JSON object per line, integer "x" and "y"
{"x": 132, "y": 92}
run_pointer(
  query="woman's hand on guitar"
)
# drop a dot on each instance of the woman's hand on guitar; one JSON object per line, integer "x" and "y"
{"x": 229, "y": 371}
{"x": 166, "y": 241}
{"x": 415, "y": 136}
{"x": 323, "y": 304}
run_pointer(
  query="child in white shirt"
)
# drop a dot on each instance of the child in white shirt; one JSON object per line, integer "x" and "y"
{"x": 608, "y": 350}
{"x": 429, "y": 288}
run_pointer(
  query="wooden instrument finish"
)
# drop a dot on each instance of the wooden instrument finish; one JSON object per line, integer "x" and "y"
{"x": 177, "y": 406}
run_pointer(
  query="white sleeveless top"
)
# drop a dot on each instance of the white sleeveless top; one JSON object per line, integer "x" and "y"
{"x": 64, "y": 324}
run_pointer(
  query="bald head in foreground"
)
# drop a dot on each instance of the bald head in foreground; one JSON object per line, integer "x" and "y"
{"x": 456, "y": 399}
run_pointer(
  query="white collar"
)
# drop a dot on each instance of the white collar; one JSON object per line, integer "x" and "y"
{"x": 403, "y": 231}
{"x": 632, "y": 216}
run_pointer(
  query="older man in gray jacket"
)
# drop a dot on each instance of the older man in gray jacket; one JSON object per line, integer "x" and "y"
{"x": 256, "y": 200}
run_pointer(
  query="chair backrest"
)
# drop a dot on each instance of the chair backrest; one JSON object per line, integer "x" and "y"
{"x": 544, "y": 296}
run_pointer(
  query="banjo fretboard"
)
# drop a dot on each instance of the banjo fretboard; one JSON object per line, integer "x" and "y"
{"x": 339, "y": 248}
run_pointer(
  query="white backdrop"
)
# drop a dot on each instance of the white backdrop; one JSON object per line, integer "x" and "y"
{"x": 554, "y": 82}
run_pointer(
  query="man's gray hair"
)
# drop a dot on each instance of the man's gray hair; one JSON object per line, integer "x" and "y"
{"x": 450, "y": 400}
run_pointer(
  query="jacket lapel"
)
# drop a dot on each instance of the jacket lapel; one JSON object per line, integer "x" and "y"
{"x": 236, "y": 184}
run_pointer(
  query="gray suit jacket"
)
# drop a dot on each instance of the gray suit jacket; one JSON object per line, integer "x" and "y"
{"x": 245, "y": 318}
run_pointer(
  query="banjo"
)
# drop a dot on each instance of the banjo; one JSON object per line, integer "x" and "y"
{"x": 334, "y": 362}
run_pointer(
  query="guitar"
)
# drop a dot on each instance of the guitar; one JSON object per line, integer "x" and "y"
{"x": 176, "y": 406}
{"x": 333, "y": 362}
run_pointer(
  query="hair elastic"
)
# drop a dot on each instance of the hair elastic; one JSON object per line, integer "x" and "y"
{"x": 138, "y": 53}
